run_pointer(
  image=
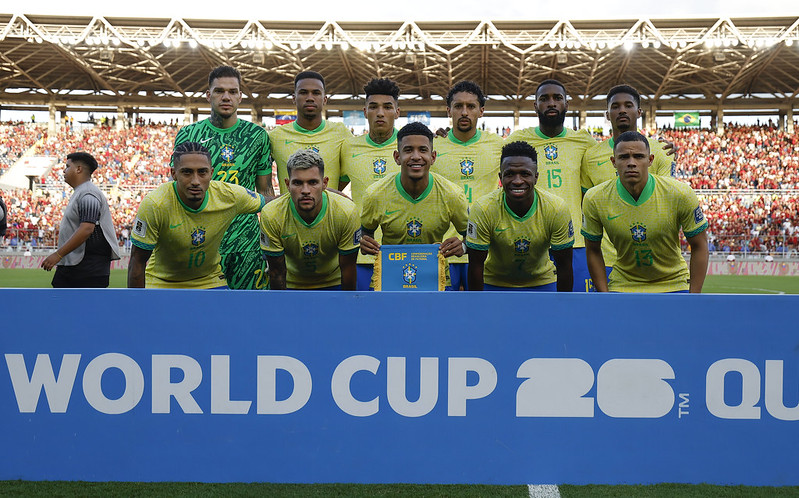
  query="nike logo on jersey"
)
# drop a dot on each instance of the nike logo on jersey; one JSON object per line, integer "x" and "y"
{"x": 290, "y": 141}
{"x": 206, "y": 140}
{"x": 174, "y": 226}
{"x": 501, "y": 229}
{"x": 360, "y": 153}
{"x": 389, "y": 213}
{"x": 613, "y": 217}
{"x": 600, "y": 163}
{"x": 289, "y": 235}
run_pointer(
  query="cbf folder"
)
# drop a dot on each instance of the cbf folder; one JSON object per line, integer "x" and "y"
{"x": 412, "y": 267}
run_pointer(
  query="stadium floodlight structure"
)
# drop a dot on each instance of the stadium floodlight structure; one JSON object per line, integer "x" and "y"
{"x": 694, "y": 64}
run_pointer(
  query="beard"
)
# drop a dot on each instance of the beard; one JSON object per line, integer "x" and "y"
{"x": 552, "y": 121}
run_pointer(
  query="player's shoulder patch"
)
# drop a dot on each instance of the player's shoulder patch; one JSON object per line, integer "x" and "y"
{"x": 471, "y": 230}
{"x": 698, "y": 214}
{"x": 140, "y": 227}
{"x": 264, "y": 240}
{"x": 356, "y": 238}
{"x": 571, "y": 229}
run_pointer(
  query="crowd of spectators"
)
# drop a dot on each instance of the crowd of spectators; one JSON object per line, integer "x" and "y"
{"x": 15, "y": 139}
{"x": 745, "y": 162}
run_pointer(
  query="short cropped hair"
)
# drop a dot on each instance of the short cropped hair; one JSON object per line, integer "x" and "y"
{"x": 382, "y": 86}
{"x": 468, "y": 87}
{"x": 631, "y": 136}
{"x": 305, "y": 159}
{"x": 85, "y": 159}
{"x": 625, "y": 89}
{"x": 189, "y": 148}
{"x": 305, "y": 75}
{"x": 519, "y": 149}
{"x": 223, "y": 72}
{"x": 551, "y": 82}
{"x": 414, "y": 128}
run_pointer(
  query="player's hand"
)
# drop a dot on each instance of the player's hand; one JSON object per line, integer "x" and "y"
{"x": 51, "y": 261}
{"x": 369, "y": 245}
{"x": 453, "y": 246}
{"x": 442, "y": 132}
{"x": 670, "y": 148}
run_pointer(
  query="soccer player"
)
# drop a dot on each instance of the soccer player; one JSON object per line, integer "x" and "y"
{"x": 181, "y": 224}
{"x": 512, "y": 230}
{"x": 560, "y": 151}
{"x": 642, "y": 215}
{"x": 368, "y": 158}
{"x": 310, "y": 130}
{"x": 310, "y": 238}
{"x": 87, "y": 240}
{"x": 468, "y": 157}
{"x": 624, "y": 109}
{"x": 240, "y": 154}
{"x": 414, "y": 206}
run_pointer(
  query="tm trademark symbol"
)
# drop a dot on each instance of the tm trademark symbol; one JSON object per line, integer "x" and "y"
{"x": 683, "y": 408}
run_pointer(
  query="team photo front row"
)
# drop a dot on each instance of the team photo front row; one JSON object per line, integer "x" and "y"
{"x": 518, "y": 237}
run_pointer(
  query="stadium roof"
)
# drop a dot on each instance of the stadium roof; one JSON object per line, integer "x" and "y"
{"x": 689, "y": 64}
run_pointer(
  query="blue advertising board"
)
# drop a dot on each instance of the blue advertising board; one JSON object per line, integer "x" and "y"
{"x": 438, "y": 387}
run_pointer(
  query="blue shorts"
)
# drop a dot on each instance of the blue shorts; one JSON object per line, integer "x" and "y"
{"x": 553, "y": 287}
{"x": 364, "y": 280}
{"x": 582, "y": 279}
{"x": 459, "y": 276}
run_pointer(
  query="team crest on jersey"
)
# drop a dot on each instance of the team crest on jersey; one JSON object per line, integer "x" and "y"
{"x": 467, "y": 167}
{"x": 551, "y": 152}
{"x": 638, "y": 231}
{"x": 521, "y": 245}
{"x": 409, "y": 272}
{"x": 198, "y": 236}
{"x": 698, "y": 214}
{"x": 227, "y": 152}
{"x": 414, "y": 226}
{"x": 310, "y": 249}
{"x": 379, "y": 166}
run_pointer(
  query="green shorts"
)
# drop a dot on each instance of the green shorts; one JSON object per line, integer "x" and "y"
{"x": 246, "y": 270}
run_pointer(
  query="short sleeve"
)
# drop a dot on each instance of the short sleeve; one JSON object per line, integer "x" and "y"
{"x": 89, "y": 209}
{"x": 264, "y": 166}
{"x": 146, "y": 225}
{"x": 478, "y": 231}
{"x": 271, "y": 243}
{"x": 459, "y": 216}
{"x": 692, "y": 218}
{"x": 662, "y": 165}
{"x": 592, "y": 225}
{"x": 370, "y": 218}
{"x": 350, "y": 235}
{"x": 562, "y": 233}
{"x": 247, "y": 201}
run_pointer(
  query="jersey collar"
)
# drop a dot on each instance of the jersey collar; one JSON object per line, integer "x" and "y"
{"x": 529, "y": 213}
{"x": 222, "y": 130}
{"x": 406, "y": 196}
{"x": 390, "y": 141}
{"x": 645, "y": 194}
{"x": 319, "y": 216}
{"x": 541, "y": 133}
{"x": 187, "y": 208}
{"x": 472, "y": 140}
{"x": 309, "y": 132}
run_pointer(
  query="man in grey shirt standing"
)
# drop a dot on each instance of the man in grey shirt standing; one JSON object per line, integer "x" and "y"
{"x": 87, "y": 241}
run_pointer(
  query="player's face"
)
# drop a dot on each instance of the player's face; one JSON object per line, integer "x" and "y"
{"x": 551, "y": 105}
{"x": 465, "y": 110}
{"x": 623, "y": 112}
{"x": 309, "y": 97}
{"x": 71, "y": 173}
{"x": 632, "y": 160}
{"x": 224, "y": 96}
{"x": 192, "y": 175}
{"x": 381, "y": 111}
{"x": 415, "y": 155}
{"x": 306, "y": 187}
{"x": 518, "y": 175}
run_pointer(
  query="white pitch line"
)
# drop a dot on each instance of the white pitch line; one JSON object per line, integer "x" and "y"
{"x": 543, "y": 490}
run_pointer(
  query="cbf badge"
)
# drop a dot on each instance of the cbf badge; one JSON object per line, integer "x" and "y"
{"x": 409, "y": 267}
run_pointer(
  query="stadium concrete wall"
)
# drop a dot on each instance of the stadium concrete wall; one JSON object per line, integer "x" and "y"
{"x": 388, "y": 387}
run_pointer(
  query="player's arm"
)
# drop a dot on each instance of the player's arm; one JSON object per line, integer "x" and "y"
{"x": 368, "y": 243}
{"x": 277, "y": 272}
{"x": 349, "y": 274}
{"x": 596, "y": 265}
{"x": 80, "y": 236}
{"x": 699, "y": 259}
{"x": 565, "y": 274}
{"x": 669, "y": 147}
{"x": 136, "y": 266}
{"x": 263, "y": 184}
{"x": 459, "y": 217}
{"x": 477, "y": 259}
{"x": 452, "y": 246}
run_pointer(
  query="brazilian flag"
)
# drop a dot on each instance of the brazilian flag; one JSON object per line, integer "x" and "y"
{"x": 686, "y": 120}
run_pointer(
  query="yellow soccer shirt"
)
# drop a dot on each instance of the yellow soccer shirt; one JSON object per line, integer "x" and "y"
{"x": 326, "y": 140}
{"x": 598, "y": 168}
{"x": 472, "y": 165}
{"x": 185, "y": 241}
{"x": 560, "y": 161}
{"x": 311, "y": 249}
{"x": 364, "y": 162}
{"x": 406, "y": 220}
{"x": 646, "y": 233}
{"x": 518, "y": 247}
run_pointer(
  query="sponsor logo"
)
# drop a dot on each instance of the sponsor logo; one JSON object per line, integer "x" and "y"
{"x": 174, "y": 226}
{"x": 613, "y": 217}
{"x": 389, "y": 213}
